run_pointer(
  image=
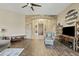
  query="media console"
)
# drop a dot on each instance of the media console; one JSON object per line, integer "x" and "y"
{"x": 66, "y": 39}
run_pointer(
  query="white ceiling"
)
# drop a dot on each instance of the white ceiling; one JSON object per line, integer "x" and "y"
{"x": 46, "y": 9}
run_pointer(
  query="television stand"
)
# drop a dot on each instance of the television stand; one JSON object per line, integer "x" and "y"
{"x": 67, "y": 38}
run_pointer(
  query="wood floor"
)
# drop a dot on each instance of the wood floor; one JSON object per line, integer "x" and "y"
{"x": 37, "y": 48}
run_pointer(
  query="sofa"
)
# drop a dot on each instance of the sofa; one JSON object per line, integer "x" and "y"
{"x": 17, "y": 38}
{"x": 4, "y": 44}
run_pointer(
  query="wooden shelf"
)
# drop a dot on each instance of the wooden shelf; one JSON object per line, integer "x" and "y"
{"x": 59, "y": 29}
{"x": 77, "y": 35}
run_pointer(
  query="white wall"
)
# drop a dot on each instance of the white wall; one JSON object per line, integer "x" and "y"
{"x": 14, "y": 23}
{"x": 28, "y": 31}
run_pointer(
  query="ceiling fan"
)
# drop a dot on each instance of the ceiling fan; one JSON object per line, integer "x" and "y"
{"x": 31, "y": 5}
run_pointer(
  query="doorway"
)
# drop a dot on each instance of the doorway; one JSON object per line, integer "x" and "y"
{"x": 39, "y": 28}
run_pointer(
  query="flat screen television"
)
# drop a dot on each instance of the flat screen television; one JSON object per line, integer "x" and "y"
{"x": 70, "y": 31}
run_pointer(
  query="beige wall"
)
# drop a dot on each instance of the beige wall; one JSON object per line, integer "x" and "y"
{"x": 49, "y": 22}
{"x": 14, "y": 23}
{"x": 61, "y": 16}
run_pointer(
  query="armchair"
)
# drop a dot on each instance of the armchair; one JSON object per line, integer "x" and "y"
{"x": 49, "y": 38}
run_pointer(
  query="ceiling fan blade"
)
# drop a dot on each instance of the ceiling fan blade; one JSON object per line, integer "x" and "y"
{"x": 35, "y": 5}
{"x": 32, "y": 8}
{"x": 25, "y": 5}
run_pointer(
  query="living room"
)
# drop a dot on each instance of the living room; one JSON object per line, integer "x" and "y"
{"x": 25, "y": 26}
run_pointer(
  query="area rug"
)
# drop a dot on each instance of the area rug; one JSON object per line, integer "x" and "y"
{"x": 11, "y": 52}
